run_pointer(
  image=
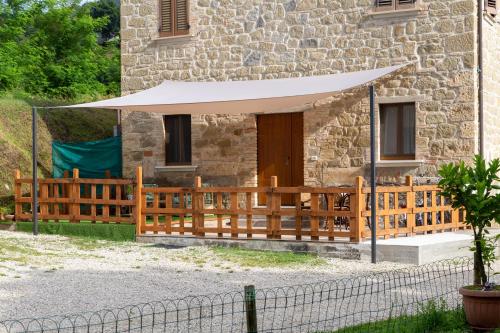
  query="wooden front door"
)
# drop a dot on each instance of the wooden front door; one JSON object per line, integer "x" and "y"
{"x": 280, "y": 151}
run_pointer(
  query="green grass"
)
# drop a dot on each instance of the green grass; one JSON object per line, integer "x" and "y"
{"x": 257, "y": 258}
{"x": 433, "y": 318}
{"x": 11, "y": 250}
{"x": 114, "y": 232}
{"x": 61, "y": 125}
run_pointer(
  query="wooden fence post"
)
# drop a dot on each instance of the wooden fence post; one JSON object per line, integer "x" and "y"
{"x": 138, "y": 201}
{"x": 74, "y": 195}
{"x": 18, "y": 210}
{"x": 66, "y": 193}
{"x": 233, "y": 197}
{"x": 44, "y": 206}
{"x": 455, "y": 216}
{"x": 356, "y": 224}
{"x": 198, "y": 217}
{"x": 270, "y": 205}
{"x": 250, "y": 309}
{"x": 314, "y": 216}
{"x": 410, "y": 206}
{"x": 276, "y": 210}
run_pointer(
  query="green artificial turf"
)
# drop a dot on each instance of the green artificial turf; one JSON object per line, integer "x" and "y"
{"x": 115, "y": 232}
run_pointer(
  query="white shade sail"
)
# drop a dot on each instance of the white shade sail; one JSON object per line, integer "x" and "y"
{"x": 238, "y": 97}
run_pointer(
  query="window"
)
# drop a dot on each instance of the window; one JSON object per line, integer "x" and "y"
{"x": 397, "y": 131}
{"x": 174, "y": 18}
{"x": 177, "y": 139}
{"x": 389, "y": 5}
{"x": 491, "y": 7}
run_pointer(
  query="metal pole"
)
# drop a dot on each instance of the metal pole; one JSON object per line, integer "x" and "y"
{"x": 373, "y": 174}
{"x": 35, "y": 170}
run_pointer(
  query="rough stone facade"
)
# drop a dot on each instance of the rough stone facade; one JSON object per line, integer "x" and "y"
{"x": 266, "y": 39}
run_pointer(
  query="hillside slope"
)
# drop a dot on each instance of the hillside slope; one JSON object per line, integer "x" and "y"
{"x": 60, "y": 125}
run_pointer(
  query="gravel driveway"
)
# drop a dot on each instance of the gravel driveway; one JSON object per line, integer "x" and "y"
{"x": 55, "y": 275}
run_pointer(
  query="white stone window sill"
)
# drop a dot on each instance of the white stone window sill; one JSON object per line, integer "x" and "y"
{"x": 176, "y": 168}
{"x": 420, "y": 9}
{"x": 173, "y": 39}
{"x": 399, "y": 163}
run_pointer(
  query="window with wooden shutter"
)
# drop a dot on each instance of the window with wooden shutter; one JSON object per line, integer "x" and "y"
{"x": 491, "y": 7}
{"x": 177, "y": 139}
{"x": 174, "y": 17}
{"x": 391, "y": 5}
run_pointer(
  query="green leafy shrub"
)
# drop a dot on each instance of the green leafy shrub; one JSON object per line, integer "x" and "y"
{"x": 55, "y": 49}
{"x": 475, "y": 189}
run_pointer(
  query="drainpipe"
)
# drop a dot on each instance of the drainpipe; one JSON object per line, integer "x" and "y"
{"x": 480, "y": 72}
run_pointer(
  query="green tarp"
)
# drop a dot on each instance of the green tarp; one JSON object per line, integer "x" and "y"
{"x": 91, "y": 158}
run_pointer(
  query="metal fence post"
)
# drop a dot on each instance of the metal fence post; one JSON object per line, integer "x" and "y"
{"x": 251, "y": 309}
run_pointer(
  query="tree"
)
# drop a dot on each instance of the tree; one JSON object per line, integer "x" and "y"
{"x": 51, "y": 48}
{"x": 110, "y": 10}
{"x": 474, "y": 188}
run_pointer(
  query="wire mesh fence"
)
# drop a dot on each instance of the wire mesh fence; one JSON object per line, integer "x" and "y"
{"x": 320, "y": 307}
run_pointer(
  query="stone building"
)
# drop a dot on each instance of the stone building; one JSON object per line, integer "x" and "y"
{"x": 430, "y": 113}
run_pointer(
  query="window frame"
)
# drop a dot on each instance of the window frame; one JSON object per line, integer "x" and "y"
{"x": 395, "y": 6}
{"x": 400, "y": 133}
{"x": 173, "y": 19}
{"x": 188, "y": 160}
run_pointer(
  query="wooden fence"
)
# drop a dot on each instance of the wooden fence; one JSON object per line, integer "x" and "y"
{"x": 326, "y": 213}
{"x": 76, "y": 199}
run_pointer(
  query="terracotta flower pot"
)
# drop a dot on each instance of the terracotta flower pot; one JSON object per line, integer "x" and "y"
{"x": 482, "y": 308}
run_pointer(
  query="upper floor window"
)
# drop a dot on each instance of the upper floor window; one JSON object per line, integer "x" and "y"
{"x": 174, "y": 17}
{"x": 390, "y": 5}
{"x": 397, "y": 131}
{"x": 177, "y": 139}
{"x": 491, "y": 6}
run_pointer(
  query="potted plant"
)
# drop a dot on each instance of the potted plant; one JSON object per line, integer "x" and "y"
{"x": 476, "y": 189}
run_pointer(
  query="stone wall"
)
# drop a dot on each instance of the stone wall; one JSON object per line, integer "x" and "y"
{"x": 491, "y": 72}
{"x": 265, "y": 39}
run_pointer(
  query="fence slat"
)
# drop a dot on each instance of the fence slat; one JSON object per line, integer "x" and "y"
{"x": 248, "y": 206}
{"x": 105, "y": 197}
{"x": 234, "y": 217}
{"x": 386, "y": 217}
{"x": 75, "y": 196}
{"x": 329, "y": 222}
{"x": 18, "y": 208}
{"x": 198, "y": 202}
{"x": 156, "y": 202}
{"x": 314, "y": 216}
{"x": 168, "y": 218}
{"x": 220, "y": 206}
{"x": 298, "y": 216}
{"x": 138, "y": 202}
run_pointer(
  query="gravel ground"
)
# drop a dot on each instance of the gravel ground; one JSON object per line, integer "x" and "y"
{"x": 55, "y": 275}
